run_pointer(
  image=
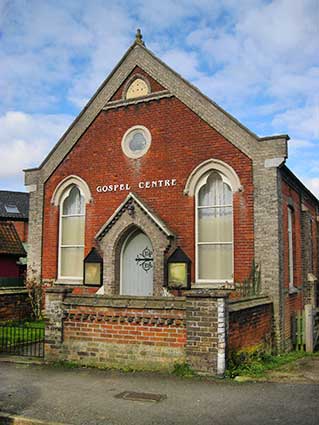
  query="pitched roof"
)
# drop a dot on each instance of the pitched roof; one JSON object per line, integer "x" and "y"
{"x": 14, "y": 201}
{"x": 10, "y": 242}
{"x": 209, "y": 111}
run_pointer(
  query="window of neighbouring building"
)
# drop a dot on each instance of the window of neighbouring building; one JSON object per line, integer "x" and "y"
{"x": 214, "y": 230}
{"x": 291, "y": 246}
{"x": 12, "y": 209}
{"x": 71, "y": 241}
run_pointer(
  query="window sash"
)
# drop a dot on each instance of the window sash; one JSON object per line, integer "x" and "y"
{"x": 290, "y": 247}
{"x": 74, "y": 251}
{"x": 221, "y": 275}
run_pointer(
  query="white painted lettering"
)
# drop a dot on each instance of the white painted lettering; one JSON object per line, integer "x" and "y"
{"x": 141, "y": 185}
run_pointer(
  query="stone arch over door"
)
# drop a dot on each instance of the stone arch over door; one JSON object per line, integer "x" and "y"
{"x": 133, "y": 215}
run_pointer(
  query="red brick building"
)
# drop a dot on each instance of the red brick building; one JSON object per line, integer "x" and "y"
{"x": 151, "y": 165}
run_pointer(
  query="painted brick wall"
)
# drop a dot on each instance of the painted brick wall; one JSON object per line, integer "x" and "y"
{"x": 9, "y": 267}
{"x": 180, "y": 141}
{"x": 250, "y": 327}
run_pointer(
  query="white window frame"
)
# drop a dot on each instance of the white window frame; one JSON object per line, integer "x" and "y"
{"x": 61, "y": 215}
{"x": 200, "y": 184}
{"x": 291, "y": 246}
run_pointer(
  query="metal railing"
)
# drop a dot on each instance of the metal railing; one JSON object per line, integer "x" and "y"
{"x": 22, "y": 340}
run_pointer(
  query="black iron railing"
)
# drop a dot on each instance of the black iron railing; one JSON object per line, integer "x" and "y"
{"x": 22, "y": 340}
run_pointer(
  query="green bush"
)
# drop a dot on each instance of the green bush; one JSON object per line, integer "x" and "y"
{"x": 183, "y": 369}
{"x": 256, "y": 362}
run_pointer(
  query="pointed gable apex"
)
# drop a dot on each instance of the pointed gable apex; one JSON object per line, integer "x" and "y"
{"x": 139, "y": 56}
{"x": 129, "y": 204}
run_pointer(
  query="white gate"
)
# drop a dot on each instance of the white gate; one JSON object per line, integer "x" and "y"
{"x": 137, "y": 265}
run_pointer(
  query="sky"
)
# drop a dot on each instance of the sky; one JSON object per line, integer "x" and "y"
{"x": 258, "y": 59}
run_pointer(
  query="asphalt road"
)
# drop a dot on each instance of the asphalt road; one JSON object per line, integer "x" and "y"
{"x": 88, "y": 397}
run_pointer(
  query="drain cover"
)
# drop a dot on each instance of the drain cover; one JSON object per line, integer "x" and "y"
{"x": 131, "y": 395}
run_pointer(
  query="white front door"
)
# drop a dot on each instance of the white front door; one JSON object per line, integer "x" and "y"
{"x": 137, "y": 265}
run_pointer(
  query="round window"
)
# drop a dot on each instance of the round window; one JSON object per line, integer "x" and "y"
{"x": 136, "y": 141}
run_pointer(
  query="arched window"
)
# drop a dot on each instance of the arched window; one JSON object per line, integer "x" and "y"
{"x": 214, "y": 229}
{"x": 71, "y": 237}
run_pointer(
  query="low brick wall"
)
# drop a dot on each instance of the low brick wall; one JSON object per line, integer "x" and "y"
{"x": 14, "y": 304}
{"x": 250, "y": 323}
{"x": 141, "y": 333}
{"x": 150, "y": 333}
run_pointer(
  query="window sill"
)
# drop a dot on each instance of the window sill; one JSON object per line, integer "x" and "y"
{"x": 68, "y": 282}
{"x": 214, "y": 285}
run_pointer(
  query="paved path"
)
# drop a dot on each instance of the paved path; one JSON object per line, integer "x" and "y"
{"x": 87, "y": 397}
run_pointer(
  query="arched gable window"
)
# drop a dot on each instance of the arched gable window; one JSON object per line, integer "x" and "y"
{"x": 213, "y": 183}
{"x": 214, "y": 232}
{"x": 71, "y": 195}
{"x": 71, "y": 235}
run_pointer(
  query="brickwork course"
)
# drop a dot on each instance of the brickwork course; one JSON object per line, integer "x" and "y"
{"x": 187, "y": 129}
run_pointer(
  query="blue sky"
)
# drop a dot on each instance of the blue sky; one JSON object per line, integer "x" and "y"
{"x": 257, "y": 59}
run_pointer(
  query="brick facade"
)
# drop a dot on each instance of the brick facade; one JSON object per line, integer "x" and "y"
{"x": 187, "y": 129}
{"x": 176, "y": 132}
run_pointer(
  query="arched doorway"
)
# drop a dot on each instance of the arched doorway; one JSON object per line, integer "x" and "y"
{"x": 137, "y": 265}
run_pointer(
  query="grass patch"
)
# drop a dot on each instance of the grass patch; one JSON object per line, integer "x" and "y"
{"x": 256, "y": 363}
{"x": 13, "y": 333}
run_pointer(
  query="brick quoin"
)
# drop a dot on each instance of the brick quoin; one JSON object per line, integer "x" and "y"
{"x": 180, "y": 142}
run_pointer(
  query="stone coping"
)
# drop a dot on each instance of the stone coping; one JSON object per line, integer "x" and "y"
{"x": 123, "y": 301}
{"x": 12, "y": 291}
{"x": 246, "y": 303}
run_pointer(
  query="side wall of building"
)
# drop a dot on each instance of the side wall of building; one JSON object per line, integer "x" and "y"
{"x": 303, "y": 289}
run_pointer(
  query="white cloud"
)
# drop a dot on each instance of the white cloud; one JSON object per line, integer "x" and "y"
{"x": 313, "y": 185}
{"x": 303, "y": 122}
{"x": 183, "y": 62}
{"x": 256, "y": 58}
{"x": 26, "y": 139}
